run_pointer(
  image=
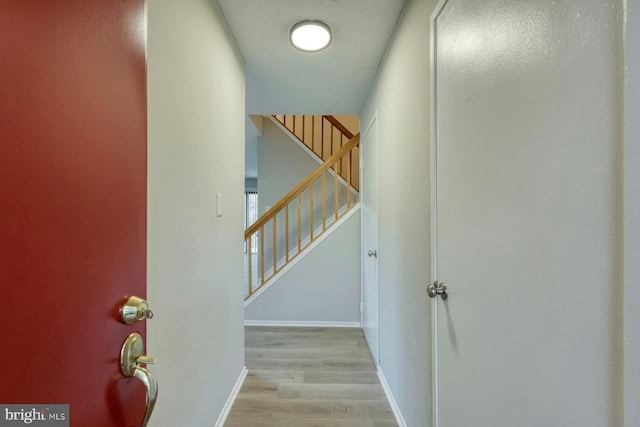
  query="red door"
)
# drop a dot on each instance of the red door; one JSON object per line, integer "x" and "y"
{"x": 72, "y": 203}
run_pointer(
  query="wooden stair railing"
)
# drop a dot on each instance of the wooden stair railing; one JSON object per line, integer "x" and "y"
{"x": 323, "y": 135}
{"x": 337, "y": 199}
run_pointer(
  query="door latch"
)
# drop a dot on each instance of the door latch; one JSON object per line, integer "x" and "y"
{"x": 131, "y": 359}
{"x": 436, "y": 288}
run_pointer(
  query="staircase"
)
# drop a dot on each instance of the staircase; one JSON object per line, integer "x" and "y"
{"x": 316, "y": 205}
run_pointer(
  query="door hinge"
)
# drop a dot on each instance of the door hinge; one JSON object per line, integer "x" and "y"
{"x": 361, "y": 308}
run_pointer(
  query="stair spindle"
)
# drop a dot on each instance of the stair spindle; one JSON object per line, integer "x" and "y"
{"x": 335, "y": 189}
{"x": 286, "y": 221}
{"x": 311, "y": 213}
{"x": 262, "y": 255}
{"x": 249, "y": 249}
{"x": 299, "y": 227}
{"x": 324, "y": 202}
{"x": 274, "y": 244}
{"x": 349, "y": 182}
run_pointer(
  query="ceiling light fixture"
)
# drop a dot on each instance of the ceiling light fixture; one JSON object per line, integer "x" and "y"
{"x": 310, "y": 36}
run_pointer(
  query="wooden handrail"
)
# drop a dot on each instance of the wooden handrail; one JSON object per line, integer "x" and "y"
{"x": 288, "y": 198}
{"x": 346, "y": 132}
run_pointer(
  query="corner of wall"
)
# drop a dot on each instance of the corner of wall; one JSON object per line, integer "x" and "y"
{"x": 400, "y": 96}
{"x": 191, "y": 157}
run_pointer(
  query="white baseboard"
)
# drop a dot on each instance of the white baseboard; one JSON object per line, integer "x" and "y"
{"x": 232, "y": 398}
{"x": 392, "y": 401}
{"x": 302, "y": 324}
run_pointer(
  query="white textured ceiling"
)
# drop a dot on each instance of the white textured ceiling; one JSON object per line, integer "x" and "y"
{"x": 281, "y": 79}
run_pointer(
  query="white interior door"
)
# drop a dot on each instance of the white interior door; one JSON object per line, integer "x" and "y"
{"x": 369, "y": 200}
{"x": 528, "y": 240}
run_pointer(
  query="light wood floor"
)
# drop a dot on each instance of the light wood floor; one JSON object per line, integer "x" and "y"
{"x": 309, "y": 377}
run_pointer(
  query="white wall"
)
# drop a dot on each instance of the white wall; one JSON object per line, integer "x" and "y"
{"x": 251, "y": 157}
{"x": 401, "y": 96}
{"x": 281, "y": 165}
{"x": 631, "y": 215}
{"x": 323, "y": 287}
{"x": 252, "y": 129}
{"x": 195, "y": 150}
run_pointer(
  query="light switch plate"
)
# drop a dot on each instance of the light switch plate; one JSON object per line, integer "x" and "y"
{"x": 218, "y": 205}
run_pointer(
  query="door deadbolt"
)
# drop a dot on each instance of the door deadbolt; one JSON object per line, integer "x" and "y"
{"x": 435, "y": 289}
{"x": 134, "y": 310}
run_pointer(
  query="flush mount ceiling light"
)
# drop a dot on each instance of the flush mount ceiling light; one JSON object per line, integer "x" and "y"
{"x": 310, "y": 36}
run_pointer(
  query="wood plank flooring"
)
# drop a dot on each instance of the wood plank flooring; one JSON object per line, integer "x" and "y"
{"x": 309, "y": 377}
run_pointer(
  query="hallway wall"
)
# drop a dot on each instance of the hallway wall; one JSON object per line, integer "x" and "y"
{"x": 195, "y": 149}
{"x": 400, "y": 96}
{"x": 631, "y": 298}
